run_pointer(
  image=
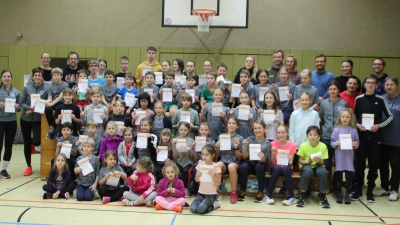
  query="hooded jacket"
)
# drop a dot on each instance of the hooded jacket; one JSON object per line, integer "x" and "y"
{"x": 155, "y": 67}
{"x": 144, "y": 185}
{"x": 11, "y": 93}
{"x": 88, "y": 115}
{"x": 300, "y": 120}
{"x": 328, "y": 112}
{"x": 109, "y": 143}
{"x": 26, "y": 100}
{"x": 71, "y": 76}
{"x": 122, "y": 157}
{"x": 272, "y": 72}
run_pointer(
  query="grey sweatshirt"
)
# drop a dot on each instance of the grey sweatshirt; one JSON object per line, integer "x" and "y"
{"x": 26, "y": 100}
{"x": 12, "y": 93}
{"x": 328, "y": 112}
{"x": 89, "y": 111}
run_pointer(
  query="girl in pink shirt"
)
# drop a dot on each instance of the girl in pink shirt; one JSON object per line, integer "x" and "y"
{"x": 209, "y": 176}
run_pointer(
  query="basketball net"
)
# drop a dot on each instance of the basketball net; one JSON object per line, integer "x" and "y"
{"x": 204, "y": 17}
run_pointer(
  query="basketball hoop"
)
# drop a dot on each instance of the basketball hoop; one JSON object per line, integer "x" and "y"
{"x": 204, "y": 17}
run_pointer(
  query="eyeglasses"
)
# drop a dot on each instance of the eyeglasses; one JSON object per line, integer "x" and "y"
{"x": 73, "y": 59}
{"x": 378, "y": 64}
{"x": 370, "y": 83}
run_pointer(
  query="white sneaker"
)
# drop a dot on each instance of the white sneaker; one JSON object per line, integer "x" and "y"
{"x": 289, "y": 201}
{"x": 394, "y": 196}
{"x": 38, "y": 149}
{"x": 380, "y": 192}
{"x": 269, "y": 200}
{"x": 216, "y": 204}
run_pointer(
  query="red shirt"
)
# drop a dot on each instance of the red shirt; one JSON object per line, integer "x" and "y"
{"x": 291, "y": 146}
{"x": 351, "y": 100}
{"x": 127, "y": 148}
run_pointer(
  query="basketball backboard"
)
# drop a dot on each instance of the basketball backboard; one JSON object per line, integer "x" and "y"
{"x": 230, "y": 13}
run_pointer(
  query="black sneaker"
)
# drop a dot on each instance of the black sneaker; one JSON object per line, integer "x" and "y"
{"x": 356, "y": 197}
{"x": 51, "y": 135}
{"x": 324, "y": 203}
{"x": 308, "y": 193}
{"x": 4, "y": 174}
{"x": 301, "y": 203}
{"x": 259, "y": 198}
{"x": 47, "y": 195}
{"x": 241, "y": 196}
{"x": 370, "y": 198}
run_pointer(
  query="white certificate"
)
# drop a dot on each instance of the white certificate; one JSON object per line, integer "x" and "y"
{"x": 34, "y": 98}
{"x": 113, "y": 180}
{"x": 182, "y": 80}
{"x": 66, "y": 149}
{"x": 141, "y": 141}
{"x": 185, "y": 116}
{"x": 269, "y": 116}
{"x": 225, "y": 142}
{"x": 318, "y": 154}
{"x": 254, "y": 149}
{"x": 120, "y": 125}
{"x": 205, "y": 176}
{"x": 95, "y": 86}
{"x": 367, "y": 120}
{"x": 129, "y": 99}
{"x": 82, "y": 138}
{"x": 261, "y": 92}
{"x": 145, "y": 70}
{"x": 244, "y": 111}
{"x": 26, "y": 79}
{"x": 96, "y": 115}
{"x": 159, "y": 77}
{"x": 181, "y": 145}
{"x": 9, "y": 105}
{"x": 345, "y": 142}
{"x": 236, "y": 88}
{"x": 162, "y": 154}
{"x": 40, "y": 106}
{"x": 66, "y": 116}
{"x": 283, "y": 93}
{"x": 120, "y": 82}
{"x": 283, "y": 157}
{"x": 296, "y": 102}
{"x": 85, "y": 165}
{"x": 150, "y": 92}
{"x": 167, "y": 95}
{"x": 220, "y": 78}
{"x": 216, "y": 108}
{"x": 200, "y": 142}
{"x": 202, "y": 79}
{"x": 190, "y": 92}
{"x": 142, "y": 115}
{"x": 83, "y": 85}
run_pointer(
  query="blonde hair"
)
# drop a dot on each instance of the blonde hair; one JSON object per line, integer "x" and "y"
{"x": 122, "y": 102}
{"x": 285, "y": 127}
{"x": 166, "y": 131}
{"x": 352, "y": 121}
{"x": 97, "y": 91}
{"x": 283, "y": 68}
{"x": 305, "y": 72}
{"x": 128, "y": 129}
{"x": 56, "y": 70}
{"x": 145, "y": 163}
{"x": 93, "y": 61}
{"x": 174, "y": 167}
{"x": 255, "y": 68}
{"x": 92, "y": 123}
{"x": 113, "y": 124}
{"x": 214, "y": 74}
{"x": 294, "y": 60}
{"x": 262, "y": 123}
{"x": 88, "y": 141}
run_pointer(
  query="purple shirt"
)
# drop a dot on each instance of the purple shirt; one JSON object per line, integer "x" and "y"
{"x": 109, "y": 144}
{"x": 344, "y": 158}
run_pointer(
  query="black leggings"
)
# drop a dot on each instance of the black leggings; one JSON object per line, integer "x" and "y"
{"x": 49, "y": 114}
{"x": 114, "y": 195}
{"x": 7, "y": 129}
{"x": 338, "y": 177}
{"x": 27, "y": 128}
{"x": 185, "y": 174}
{"x": 69, "y": 188}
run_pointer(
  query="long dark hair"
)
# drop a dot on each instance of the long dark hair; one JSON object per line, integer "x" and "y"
{"x": 3, "y": 72}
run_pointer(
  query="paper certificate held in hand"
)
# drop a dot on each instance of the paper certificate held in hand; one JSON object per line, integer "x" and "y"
{"x": 216, "y": 108}
{"x": 225, "y": 142}
{"x": 96, "y": 115}
{"x": 159, "y": 77}
{"x": 40, "y": 106}
{"x": 244, "y": 111}
{"x": 141, "y": 114}
{"x": 66, "y": 116}
{"x": 9, "y": 105}
{"x": 185, "y": 116}
{"x": 145, "y": 70}
{"x": 236, "y": 88}
{"x": 181, "y": 145}
{"x": 120, "y": 82}
{"x": 95, "y": 86}
{"x": 367, "y": 120}
{"x": 162, "y": 154}
{"x": 283, "y": 93}
{"x": 254, "y": 149}
{"x": 167, "y": 95}
{"x": 283, "y": 157}
{"x": 345, "y": 142}
{"x": 34, "y": 98}
{"x": 269, "y": 116}
{"x": 202, "y": 79}
{"x": 261, "y": 92}
{"x": 85, "y": 165}
{"x": 130, "y": 99}
{"x": 182, "y": 80}
{"x": 83, "y": 85}
{"x": 66, "y": 149}
{"x": 296, "y": 102}
{"x": 200, "y": 142}
{"x": 318, "y": 155}
{"x": 205, "y": 176}
{"x": 190, "y": 92}
{"x": 120, "y": 125}
{"x": 82, "y": 138}
{"x": 150, "y": 92}
{"x": 113, "y": 180}
{"x": 141, "y": 141}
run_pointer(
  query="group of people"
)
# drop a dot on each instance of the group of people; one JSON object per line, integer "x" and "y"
{"x": 115, "y": 136}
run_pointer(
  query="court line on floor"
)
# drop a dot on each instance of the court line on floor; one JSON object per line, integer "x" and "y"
{"x": 212, "y": 215}
{"x": 19, "y": 186}
{"x": 371, "y": 210}
{"x": 173, "y": 219}
{"x": 20, "y": 216}
{"x": 25, "y": 223}
{"x": 219, "y": 210}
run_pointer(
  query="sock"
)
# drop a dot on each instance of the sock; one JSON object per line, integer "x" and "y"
{"x": 5, "y": 165}
{"x": 322, "y": 196}
{"x": 303, "y": 195}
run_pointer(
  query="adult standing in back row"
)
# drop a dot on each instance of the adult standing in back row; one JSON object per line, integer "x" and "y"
{"x": 70, "y": 71}
{"x": 321, "y": 77}
{"x": 276, "y": 65}
{"x": 45, "y": 67}
{"x": 378, "y": 66}
{"x": 250, "y": 64}
{"x": 149, "y": 64}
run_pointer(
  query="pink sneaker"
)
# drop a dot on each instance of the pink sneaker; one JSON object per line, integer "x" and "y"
{"x": 233, "y": 197}
{"x": 28, "y": 171}
{"x": 122, "y": 198}
{"x": 106, "y": 199}
{"x": 66, "y": 195}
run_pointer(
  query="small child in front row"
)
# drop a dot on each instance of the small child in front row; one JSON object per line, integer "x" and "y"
{"x": 125, "y": 152}
{"x": 111, "y": 140}
{"x": 206, "y": 199}
{"x": 160, "y": 121}
{"x": 142, "y": 183}
{"x": 59, "y": 183}
{"x": 171, "y": 192}
{"x": 110, "y": 193}
{"x": 344, "y": 157}
{"x": 87, "y": 184}
{"x": 311, "y": 167}
{"x": 91, "y": 130}
{"x": 186, "y": 100}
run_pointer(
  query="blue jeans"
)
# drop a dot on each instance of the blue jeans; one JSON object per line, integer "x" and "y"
{"x": 247, "y": 168}
{"x": 286, "y": 171}
{"x": 203, "y": 204}
{"x": 84, "y": 193}
{"x": 307, "y": 173}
